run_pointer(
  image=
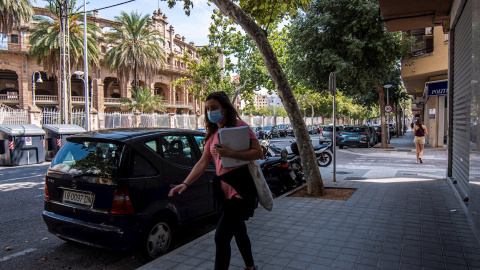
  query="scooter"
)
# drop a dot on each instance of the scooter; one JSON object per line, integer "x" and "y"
{"x": 324, "y": 158}
{"x": 279, "y": 173}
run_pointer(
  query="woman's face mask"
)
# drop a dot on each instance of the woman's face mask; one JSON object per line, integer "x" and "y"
{"x": 215, "y": 116}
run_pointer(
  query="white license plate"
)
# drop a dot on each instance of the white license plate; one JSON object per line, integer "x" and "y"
{"x": 77, "y": 198}
{"x": 292, "y": 174}
{"x": 352, "y": 138}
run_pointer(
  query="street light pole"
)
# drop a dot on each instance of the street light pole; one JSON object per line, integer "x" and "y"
{"x": 80, "y": 75}
{"x": 39, "y": 80}
{"x": 388, "y": 115}
{"x": 85, "y": 64}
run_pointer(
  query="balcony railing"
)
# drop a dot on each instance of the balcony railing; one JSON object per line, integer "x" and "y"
{"x": 9, "y": 97}
{"x": 422, "y": 52}
{"x": 50, "y": 99}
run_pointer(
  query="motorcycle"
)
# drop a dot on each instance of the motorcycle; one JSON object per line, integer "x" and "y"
{"x": 324, "y": 158}
{"x": 322, "y": 152}
{"x": 281, "y": 170}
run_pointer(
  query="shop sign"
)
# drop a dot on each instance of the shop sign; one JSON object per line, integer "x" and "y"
{"x": 438, "y": 88}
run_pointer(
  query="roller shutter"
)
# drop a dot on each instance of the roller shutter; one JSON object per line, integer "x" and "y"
{"x": 462, "y": 76}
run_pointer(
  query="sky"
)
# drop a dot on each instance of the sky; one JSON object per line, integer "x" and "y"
{"x": 193, "y": 27}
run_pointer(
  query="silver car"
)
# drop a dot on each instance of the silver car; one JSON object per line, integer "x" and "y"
{"x": 327, "y": 131}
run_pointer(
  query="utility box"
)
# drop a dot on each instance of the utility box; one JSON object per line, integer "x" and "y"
{"x": 21, "y": 145}
{"x": 56, "y": 136}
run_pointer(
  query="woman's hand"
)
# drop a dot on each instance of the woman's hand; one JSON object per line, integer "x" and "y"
{"x": 222, "y": 150}
{"x": 178, "y": 189}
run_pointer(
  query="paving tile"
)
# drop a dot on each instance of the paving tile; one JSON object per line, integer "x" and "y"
{"x": 296, "y": 264}
{"x": 433, "y": 264}
{"x": 325, "y": 262}
{"x": 387, "y": 264}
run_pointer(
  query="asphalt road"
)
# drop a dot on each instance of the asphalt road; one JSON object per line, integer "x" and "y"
{"x": 26, "y": 243}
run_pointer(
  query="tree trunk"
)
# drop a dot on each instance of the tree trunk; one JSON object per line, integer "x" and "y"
{"x": 381, "y": 103}
{"x": 309, "y": 162}
{"x": 135, "y": 76}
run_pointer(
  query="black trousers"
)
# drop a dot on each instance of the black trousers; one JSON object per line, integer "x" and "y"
{"x": 231, "y": 224}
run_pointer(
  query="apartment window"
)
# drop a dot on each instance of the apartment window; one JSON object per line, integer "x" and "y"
{"x": 14, "y": 39}
{"x": 423, "y": 41}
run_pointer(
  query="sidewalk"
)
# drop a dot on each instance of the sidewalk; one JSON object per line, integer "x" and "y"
{"x": 396, "y": 219}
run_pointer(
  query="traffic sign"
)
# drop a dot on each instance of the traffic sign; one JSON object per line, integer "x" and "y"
{"x": 388, "y": 108}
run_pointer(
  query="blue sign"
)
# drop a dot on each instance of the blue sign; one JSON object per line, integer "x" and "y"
{"x": 438, "y": 88}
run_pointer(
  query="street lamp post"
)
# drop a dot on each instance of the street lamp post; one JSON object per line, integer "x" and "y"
{"x": 80, "y": 75}
{"x": 39, "y": 80}
{"x": 388, "y": 116}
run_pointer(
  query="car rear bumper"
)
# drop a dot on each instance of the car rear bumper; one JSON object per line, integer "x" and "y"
{"x": 352, "y": 143}
{"x": 97, "y": 235}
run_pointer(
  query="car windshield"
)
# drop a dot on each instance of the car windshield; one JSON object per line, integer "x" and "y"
{"x": 282, "y": 126}
{"x": 267, "y": 127}
{"x": 354, "y": 129}
{"x": 87, "y": 157}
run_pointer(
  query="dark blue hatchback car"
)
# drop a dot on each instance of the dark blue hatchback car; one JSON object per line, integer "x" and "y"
{"x": 109, "y": 189}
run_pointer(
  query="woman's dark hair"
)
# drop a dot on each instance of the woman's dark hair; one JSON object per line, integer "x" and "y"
{"x": 419, "y": 122}
{"x": 231, "y": 113}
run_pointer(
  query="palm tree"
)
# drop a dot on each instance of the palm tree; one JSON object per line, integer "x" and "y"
{"x": 14, "y": 12}
{"x": 143, "y": 100}
{"x": 138, "y": 45}
{"x": 46, "y": 41}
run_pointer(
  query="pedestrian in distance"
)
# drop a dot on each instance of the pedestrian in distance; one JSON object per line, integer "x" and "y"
{"x": 419, "y": 130}
{"x": 412, "y": 125}
{"x": 233, "y": 187}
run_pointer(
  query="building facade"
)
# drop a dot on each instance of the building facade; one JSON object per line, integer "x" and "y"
{"x": 460, "y": 19}
{"x": 261, "y": 101}
{"x": 19, "y": 72}
{"x": 426, "y": 69}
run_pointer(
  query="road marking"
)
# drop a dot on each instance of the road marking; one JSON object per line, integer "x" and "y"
{"x": 26, "y": 177}
{"x": 21, "y": 253}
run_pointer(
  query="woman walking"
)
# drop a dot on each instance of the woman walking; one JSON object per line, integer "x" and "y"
{"x": 234, "y": 187}
{"x": 419, "y": 130}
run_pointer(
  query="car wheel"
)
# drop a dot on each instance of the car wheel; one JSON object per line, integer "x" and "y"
{"x": 368, "y": 144}
{"x": 325, "y": 160}
{"x": 156, "y": 240}
{"x": 341, "y": 146}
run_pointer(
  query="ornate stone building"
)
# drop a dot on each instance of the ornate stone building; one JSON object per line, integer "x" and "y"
{"x": 18, "y": 69}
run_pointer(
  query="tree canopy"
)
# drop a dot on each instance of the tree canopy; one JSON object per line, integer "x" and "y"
{"x": 346, "y": 37}
{"x": 13, "y": 13}
{"x": 136, "y": 45}
{"x": 45, "y": 40}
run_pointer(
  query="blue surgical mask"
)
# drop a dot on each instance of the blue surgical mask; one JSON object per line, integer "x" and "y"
{"x": 215, "y": 116}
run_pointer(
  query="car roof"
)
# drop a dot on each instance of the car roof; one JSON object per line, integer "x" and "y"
{"x": 125, "y": 134}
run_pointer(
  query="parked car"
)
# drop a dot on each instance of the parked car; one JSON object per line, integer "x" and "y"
{"x": 259, "y": 132}
{"x": 289, "y": 130}
{"x": 271, "y": 131}
{"x": 312, "y": 129}
{"x": 357, "y": 136}
{"x": 374, "y": 135}
{"x": 393, "y": 129}
{"x": 378, "y": 131}
{"x": 327, "y": 132}
{"x": 109, "y": 189}
{"x": 282, "y": 130}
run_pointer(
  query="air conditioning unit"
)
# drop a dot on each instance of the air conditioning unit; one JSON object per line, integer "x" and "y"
{"x": 429, "y": 31}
